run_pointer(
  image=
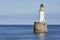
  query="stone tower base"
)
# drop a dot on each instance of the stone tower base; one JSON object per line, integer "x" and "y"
{"x": 40, "y": 27}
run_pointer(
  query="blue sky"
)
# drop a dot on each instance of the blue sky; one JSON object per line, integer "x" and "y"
{"x": 27, "y": 11}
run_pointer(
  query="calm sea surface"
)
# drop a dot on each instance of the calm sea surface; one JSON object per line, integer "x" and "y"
{"x": 25, "y": 32}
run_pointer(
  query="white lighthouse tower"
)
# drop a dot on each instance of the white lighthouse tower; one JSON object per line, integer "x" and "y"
{"x": 41, "y": 25}
{"x": 41, "y": 13}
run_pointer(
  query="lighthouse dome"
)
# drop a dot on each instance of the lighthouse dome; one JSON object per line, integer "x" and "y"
{"x": 41, "y": 7}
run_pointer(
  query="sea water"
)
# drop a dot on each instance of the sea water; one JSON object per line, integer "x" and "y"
{"x": 26, "y": 32}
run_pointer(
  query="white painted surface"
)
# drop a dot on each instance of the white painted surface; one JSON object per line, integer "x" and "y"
{"x": 42, "y": 16}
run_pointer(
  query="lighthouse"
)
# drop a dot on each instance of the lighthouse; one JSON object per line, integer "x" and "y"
{"x": 41, "y": 25}
{"x": 41, "y": 13}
